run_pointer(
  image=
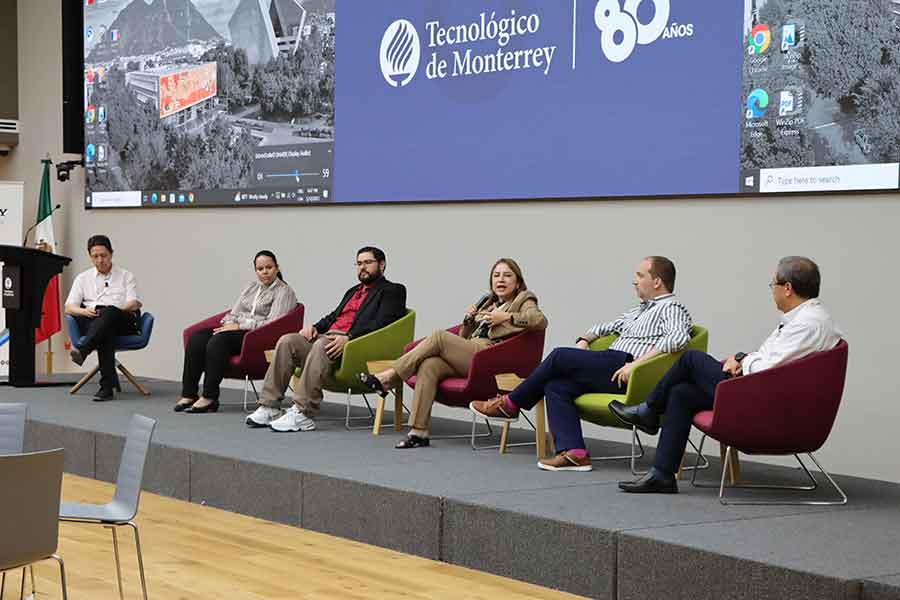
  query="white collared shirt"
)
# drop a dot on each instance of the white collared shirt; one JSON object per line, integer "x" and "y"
{"x": 803, "y": 330}
{"x": 92, "y": 289}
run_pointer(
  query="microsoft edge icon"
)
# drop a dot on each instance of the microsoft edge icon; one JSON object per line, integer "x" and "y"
{"x": 757, "y": 102}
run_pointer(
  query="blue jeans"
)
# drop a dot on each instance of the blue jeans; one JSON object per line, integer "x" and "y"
{"x": 564, "y": 375}
{"x": 687, "y": 388}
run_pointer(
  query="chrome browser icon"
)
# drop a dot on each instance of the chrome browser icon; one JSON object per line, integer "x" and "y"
{"x": 759, "y": 40}
{"x": 757, "y": 102}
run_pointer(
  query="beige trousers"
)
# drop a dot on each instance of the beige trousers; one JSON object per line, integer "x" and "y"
{"x": 439, "y": 356}
{"x": 292, "y": 351}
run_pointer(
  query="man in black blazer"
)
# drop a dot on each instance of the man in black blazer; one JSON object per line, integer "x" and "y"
{"x": 370, "y": 305}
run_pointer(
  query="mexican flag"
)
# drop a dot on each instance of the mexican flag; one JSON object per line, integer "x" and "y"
{"x": 50, "y": 310}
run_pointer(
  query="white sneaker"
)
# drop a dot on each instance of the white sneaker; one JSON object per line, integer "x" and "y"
{"x": 262, "y": 416}
{"x": 292, "y": 420}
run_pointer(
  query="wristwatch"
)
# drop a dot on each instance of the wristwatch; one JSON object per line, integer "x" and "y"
{"x": 740, "y": 356}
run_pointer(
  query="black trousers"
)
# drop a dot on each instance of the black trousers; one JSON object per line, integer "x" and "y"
{"x": 687, "y": 388}
{"x": 208, "y": 353}
{"x": 99, "y": 333}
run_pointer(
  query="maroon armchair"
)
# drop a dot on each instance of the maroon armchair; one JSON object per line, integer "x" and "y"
{"x": 789, "y": 409}
{"x": 251, "y": 363}
{"x": 519, "y": 354}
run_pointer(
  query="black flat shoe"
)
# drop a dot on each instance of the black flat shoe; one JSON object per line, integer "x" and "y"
{"x": 651, "y": 483}
{"x": 413, "y": 441}
{"x": 193, "y": 409}
{"x": 182, "y": 407}
{"x": 630, "y": 416}
{"x": 104, "y": 394}
{"x": 372, "y": 382}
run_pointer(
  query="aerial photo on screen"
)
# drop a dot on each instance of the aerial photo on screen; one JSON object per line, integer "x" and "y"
{"x": 209, "y": 101}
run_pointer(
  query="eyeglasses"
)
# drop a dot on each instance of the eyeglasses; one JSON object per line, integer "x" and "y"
{"x": 365, "y": 263}
{"x": 772, "y": 284}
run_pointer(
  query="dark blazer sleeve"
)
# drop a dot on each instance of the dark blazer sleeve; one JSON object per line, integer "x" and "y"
{"x": 391, "y": 307}
{"x": 325, "y": 323}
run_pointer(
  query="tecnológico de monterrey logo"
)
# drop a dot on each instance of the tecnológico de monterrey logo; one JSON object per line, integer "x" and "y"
{"x": 400, "y": 53}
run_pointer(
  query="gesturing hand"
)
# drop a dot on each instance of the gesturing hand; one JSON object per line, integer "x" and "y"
{"x": 496, "y": 317}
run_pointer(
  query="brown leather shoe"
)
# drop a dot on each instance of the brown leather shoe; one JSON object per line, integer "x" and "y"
{"x": 497, "y": 408}
{"x": 566, "y": 462}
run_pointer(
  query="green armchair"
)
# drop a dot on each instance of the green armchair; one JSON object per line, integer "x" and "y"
{"x": 594, "y": 408}
{"x": 386, "y": 343}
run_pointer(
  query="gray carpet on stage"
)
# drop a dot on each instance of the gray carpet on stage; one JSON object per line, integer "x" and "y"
{"x": 571, "y": 531}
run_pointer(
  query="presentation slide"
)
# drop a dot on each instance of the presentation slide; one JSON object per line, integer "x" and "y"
{"x": 271, "y": 102}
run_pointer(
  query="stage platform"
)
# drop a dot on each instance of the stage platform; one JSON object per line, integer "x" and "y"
{"x": 571, "y": 531}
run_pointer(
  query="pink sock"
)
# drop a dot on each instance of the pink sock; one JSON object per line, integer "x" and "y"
{"x": 577, "y": 452}
{"x": 509, "y": 403}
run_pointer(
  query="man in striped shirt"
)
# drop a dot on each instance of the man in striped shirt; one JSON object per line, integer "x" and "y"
{"x": 658, "y": 324}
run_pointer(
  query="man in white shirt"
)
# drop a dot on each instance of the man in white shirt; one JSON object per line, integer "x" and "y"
{"x": 106, "y": 303}
{"x": 689, "y": 386}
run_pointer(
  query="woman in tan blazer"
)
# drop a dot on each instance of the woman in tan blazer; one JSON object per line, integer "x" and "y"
{"x": 508, "y": 309}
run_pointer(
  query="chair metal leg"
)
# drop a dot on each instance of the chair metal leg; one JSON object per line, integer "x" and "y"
{"x": 112, "y": 528}
{"x": 2, "y": 583}
{"x": 472, "y": 436}
{"x": 140, "y": 556}
{"x": 803, "y": 488}
{"x": 33, "y": 586}
{"x": 702, "y": 463}
{"x": 22, "y": 589}
{"x": 255, "y": 394}
{"x": 130, "y": 377}
{"x": 348, "y": 418}
{"x": 82, "y": 382}
{"x": 637, "y": 452}
{"x": 62, "y": 576}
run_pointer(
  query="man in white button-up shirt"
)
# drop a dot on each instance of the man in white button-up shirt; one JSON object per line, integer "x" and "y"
{"x": 689, "y": 386}
{"x": 106, "y": 303}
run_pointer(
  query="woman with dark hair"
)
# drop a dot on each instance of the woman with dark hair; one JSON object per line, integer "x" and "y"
{"x": 209, "y": 350}
{"x": 509, "y": 308}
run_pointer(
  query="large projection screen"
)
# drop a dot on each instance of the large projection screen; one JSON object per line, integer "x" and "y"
{"x": 280, "y": 102}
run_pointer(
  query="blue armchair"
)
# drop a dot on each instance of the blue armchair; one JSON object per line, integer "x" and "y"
{"x": 123, "y": 343}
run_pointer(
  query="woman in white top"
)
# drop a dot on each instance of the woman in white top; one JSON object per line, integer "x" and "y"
{"x": 209, "y": 350}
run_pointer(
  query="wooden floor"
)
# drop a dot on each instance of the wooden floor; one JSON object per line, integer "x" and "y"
{"x": 194, "y": 552}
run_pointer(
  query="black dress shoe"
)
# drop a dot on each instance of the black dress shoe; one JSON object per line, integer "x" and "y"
{"x": 77, "y": 356}
{"x": 653, "y": 482}
{"x": 413, "y": 441}
{"x": 199, "y": 410}
{"x": 104, "y": 394}
{"x": 630, "y": 416}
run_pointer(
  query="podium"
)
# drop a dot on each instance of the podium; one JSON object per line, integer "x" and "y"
{"x": 35, "y": 269}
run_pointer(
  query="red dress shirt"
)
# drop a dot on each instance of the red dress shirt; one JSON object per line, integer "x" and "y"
{"x": 345, "y": 319}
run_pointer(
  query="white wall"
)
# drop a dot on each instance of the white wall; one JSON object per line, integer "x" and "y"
{"x": 577, "y": 256}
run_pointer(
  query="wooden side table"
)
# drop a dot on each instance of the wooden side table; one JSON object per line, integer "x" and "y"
{"x": 374, "y": 366}
{"x": 507, "y": 382}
